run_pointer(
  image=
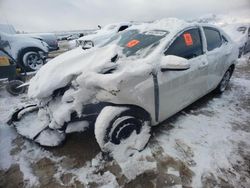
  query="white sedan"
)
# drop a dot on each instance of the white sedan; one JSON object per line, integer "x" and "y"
{"x": 136, "y": 80}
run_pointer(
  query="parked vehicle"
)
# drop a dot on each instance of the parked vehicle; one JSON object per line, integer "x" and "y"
{"x": 29, "y": 52}
{"x": 10, "y": 77}
{"x": 136, "y": 80}
{"x": 240, "y": 33}
{"x": 49, "y": 38}
{"x": 102, "y": 35}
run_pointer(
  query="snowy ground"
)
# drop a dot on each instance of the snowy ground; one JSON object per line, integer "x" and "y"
{"x": 205, "y": 145}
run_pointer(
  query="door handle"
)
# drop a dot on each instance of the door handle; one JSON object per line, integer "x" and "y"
{"x": 203, "y": 65}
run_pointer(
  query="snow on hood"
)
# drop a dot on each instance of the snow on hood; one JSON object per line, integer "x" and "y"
{"x": 58, "y": 72}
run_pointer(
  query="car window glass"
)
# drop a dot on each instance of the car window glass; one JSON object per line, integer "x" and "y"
{"x": 122, "y": 28}
{"x": 213, "y": 38}
{"x": 188, "y": 45}
{"x": 224, "y": 39}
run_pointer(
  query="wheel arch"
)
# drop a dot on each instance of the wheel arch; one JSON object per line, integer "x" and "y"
{"x": 135, "y": 108}
{"x": 24, "y": 50}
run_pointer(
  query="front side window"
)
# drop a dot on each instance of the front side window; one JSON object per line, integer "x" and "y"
{"x": 213, "y": 38}
{"x": 188, "y": 45}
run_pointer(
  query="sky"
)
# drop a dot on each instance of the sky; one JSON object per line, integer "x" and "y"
{"x": 61, "y": 15}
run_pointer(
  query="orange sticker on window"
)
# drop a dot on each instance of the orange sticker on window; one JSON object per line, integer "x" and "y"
{"x": 132, "y": 43}
{"x": 188, "y": 39}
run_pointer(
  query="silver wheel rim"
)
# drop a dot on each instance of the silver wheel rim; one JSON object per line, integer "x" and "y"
{"x": 34, "y": 62}
{"x": 225, "y": 81}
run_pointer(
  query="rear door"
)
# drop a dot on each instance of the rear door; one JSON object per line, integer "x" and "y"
{"x": 248, "y": 41}
{"x": 177, "y": 89}
{"x": 217, "y": 53}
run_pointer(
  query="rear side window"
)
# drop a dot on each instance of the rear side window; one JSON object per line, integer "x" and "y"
{"x": 188, "y": 45}
{"x": 213, "y": 38}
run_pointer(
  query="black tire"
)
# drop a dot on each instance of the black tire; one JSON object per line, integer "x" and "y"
{"x": 116, "y": 125}
{"x": 13, "y": 89}
{"x": 224, "y": 81}
{"x": 30, "y": 59}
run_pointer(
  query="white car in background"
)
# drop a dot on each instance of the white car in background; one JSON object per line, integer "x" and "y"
{"x": 29, "y": 52}
{"x": 240, "y": 33}
{"x": 102, "y": 35}
{"x": 136, "y": 80}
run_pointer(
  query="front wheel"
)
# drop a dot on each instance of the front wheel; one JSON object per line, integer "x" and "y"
{"x": 13, "y": 87}
{"x": 122, "y": 130}
{"x": 32, "y": 60}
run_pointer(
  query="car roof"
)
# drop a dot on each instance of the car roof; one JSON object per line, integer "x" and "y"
{"x": 171, "y": 25}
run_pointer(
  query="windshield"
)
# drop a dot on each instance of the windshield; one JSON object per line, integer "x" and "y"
{"x": 134, "y": 42}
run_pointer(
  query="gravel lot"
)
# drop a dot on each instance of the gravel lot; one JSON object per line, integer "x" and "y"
{"x": 205, "y": 145}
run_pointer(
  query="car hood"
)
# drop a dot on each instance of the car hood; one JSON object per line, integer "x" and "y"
{"x": 58, "y": 72}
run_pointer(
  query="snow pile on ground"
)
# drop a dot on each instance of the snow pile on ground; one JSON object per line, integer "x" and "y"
{"x": 244, "y": 61}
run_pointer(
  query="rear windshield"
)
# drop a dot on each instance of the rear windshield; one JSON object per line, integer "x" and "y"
{"x": 134, "y": 42}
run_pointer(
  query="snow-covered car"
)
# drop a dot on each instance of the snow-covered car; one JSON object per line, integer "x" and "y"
{"x": 102, "y": 35}
{"x": 136, "y": 80}
{"x": 29, "y": 52}
{"x": 49, "y": 38}
{"x": 240, "y": 33}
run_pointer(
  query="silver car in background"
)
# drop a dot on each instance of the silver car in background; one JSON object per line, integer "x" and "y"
{"x": 31, "y": 53}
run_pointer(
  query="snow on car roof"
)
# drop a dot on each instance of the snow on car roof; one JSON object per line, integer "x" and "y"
{"x": 171, "y": 25}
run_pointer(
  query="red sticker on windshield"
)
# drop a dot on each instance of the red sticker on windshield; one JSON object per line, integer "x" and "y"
{"x": 188, "y": 39}
{"x": 132, "y": 43}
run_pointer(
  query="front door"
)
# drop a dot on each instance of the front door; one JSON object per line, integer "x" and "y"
{"x": 177, "y": 89}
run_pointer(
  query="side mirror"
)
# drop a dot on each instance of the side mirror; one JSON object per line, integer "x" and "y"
{"x": 87, "y": 44}
{"x": 174, "y": 63}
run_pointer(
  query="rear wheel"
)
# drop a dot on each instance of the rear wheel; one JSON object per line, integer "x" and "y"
{"x": 224, "y": 82}
{"x": 122, "y": 129}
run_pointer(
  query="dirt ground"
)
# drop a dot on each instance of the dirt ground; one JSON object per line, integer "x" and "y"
{"x": 80, "y": 163}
